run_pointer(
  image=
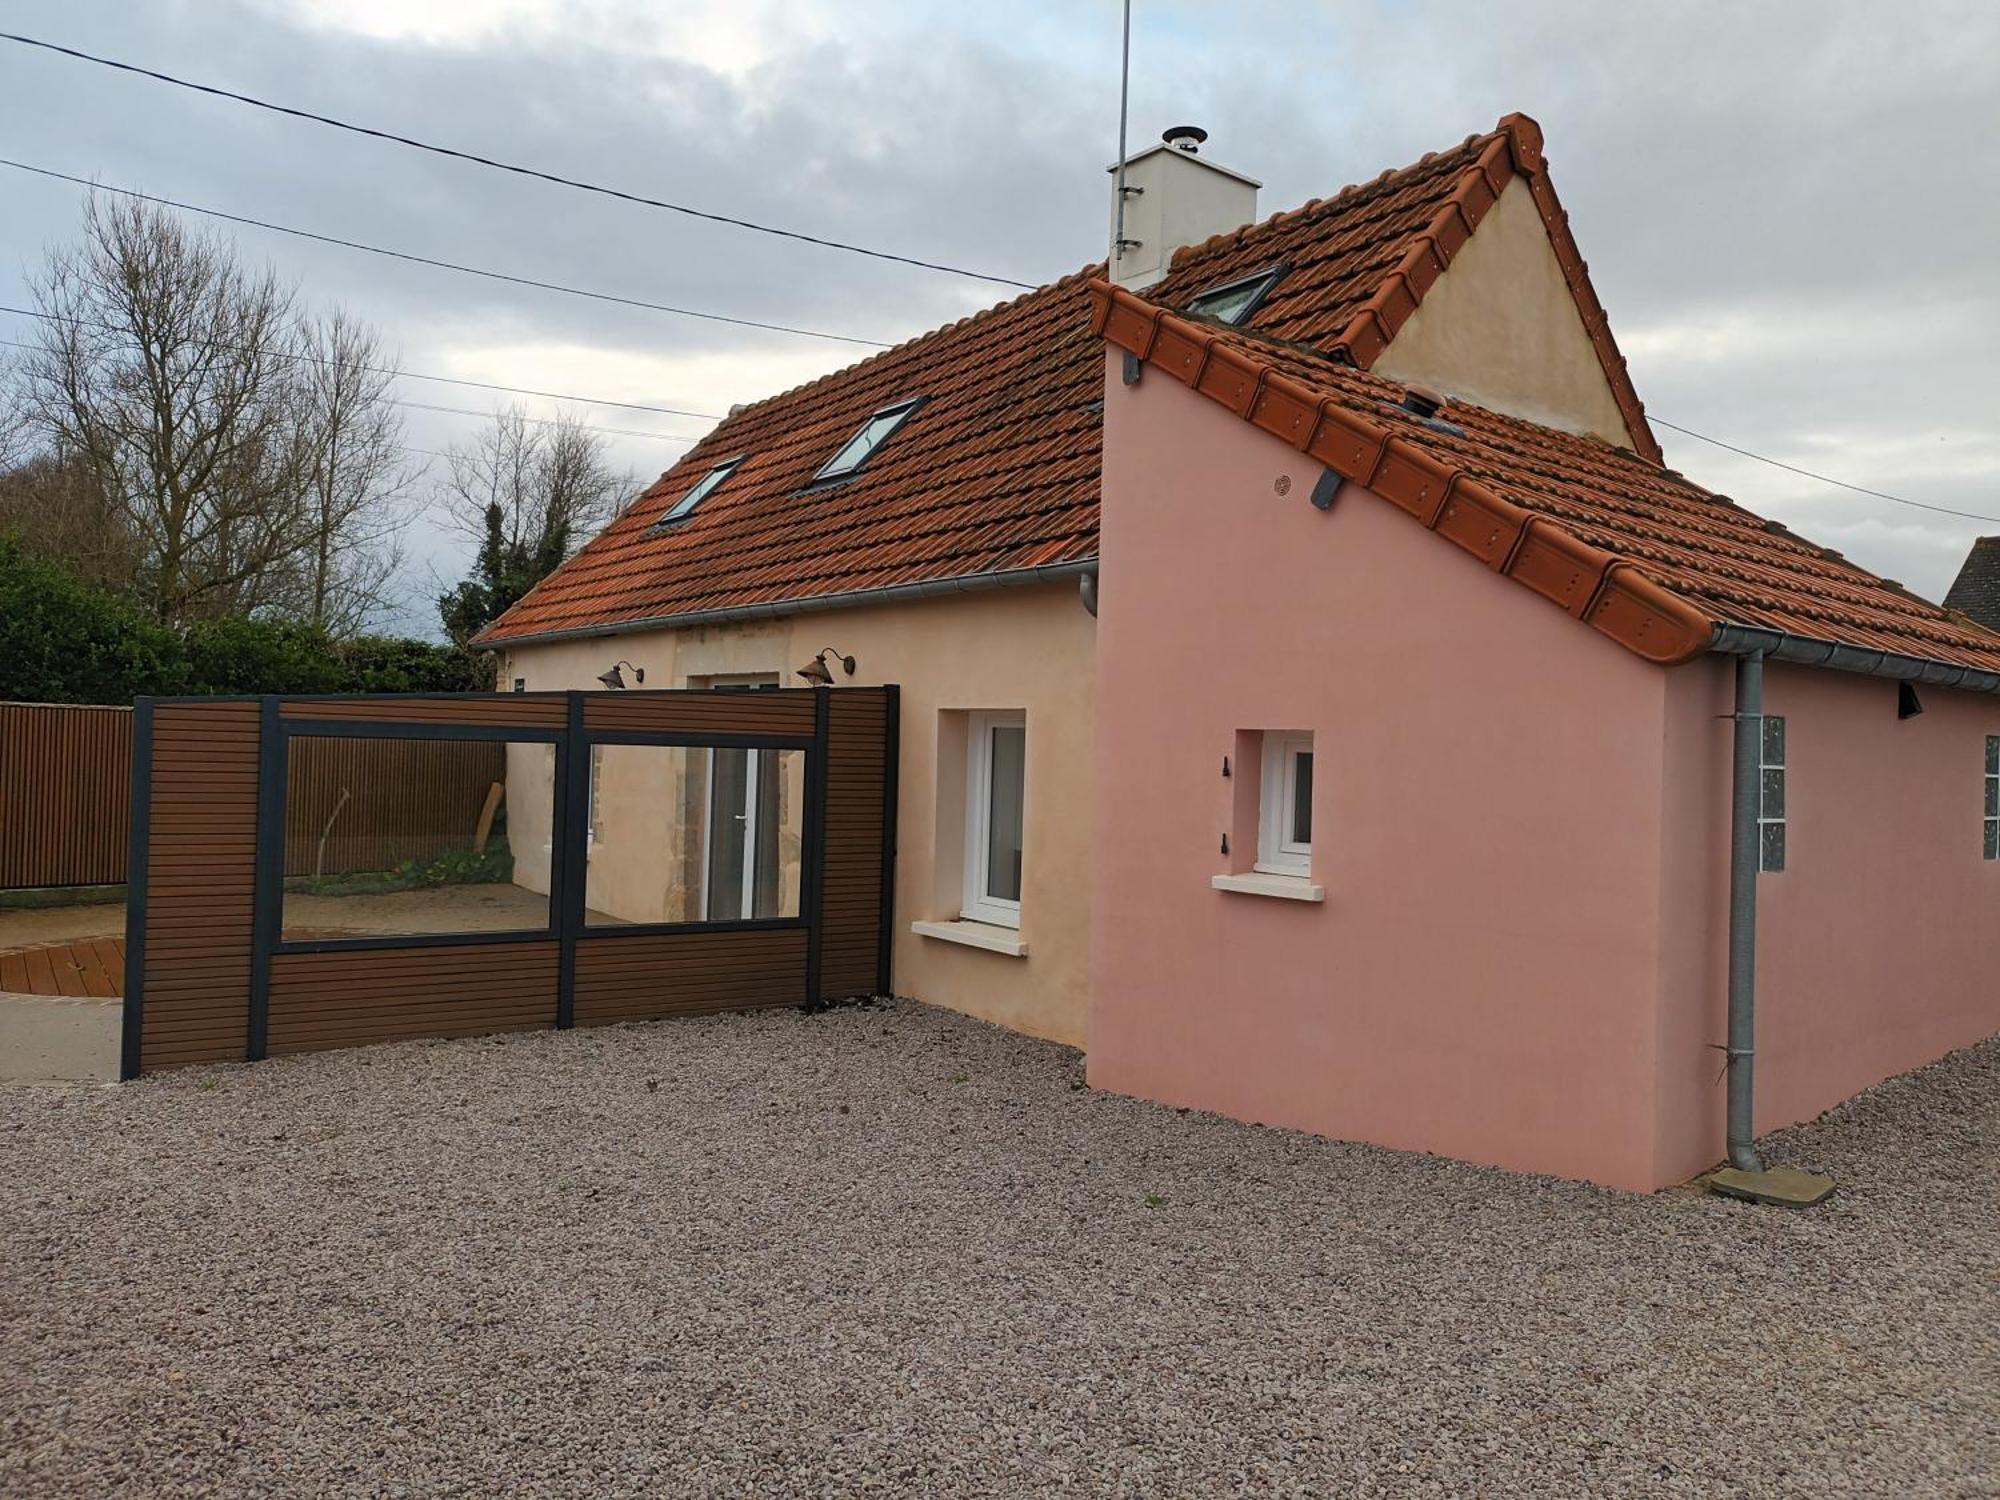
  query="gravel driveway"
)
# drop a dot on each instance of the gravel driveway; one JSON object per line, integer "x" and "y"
{"x": 894, "y": 1251}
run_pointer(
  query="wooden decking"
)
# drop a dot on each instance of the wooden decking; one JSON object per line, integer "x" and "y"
{"x": 87, "y": 966}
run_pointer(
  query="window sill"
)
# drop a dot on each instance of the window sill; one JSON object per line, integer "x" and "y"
{"x": 974, "y": 935}
{"x": 1284, "y": 887}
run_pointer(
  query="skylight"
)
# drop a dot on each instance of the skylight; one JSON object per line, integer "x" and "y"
{"x": 704, "y": 487}
{"x": 1234, "y": 301}
{"x": 861, "y": 447}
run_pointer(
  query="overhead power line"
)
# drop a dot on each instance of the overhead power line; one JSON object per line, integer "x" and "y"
{"x": 442, "y": 265}
{"x": 460, "y": 411}
{"x": 505, "y": 166}
{"x": 1842, "y": 484}
{"x": 482, "y": 385}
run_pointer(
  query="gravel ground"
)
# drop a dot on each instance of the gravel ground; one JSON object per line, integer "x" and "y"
{"x": 894, "y": 1251}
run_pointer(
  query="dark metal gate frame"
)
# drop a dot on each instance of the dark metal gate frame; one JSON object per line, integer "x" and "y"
{"x": 569, "y": 857}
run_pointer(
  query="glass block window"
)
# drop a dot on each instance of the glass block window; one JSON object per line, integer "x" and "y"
{"x": 1993, "y": 796}
{"x": 1771, "y": 796}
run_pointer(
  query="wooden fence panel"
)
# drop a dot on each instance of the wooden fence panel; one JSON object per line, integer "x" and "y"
{"x": 211, "y": 976}
{"x": 65, "y": 794}
{"x": 648, "y": 977}
{"x": 66, "y": 797}
{"x": 348, "y": 999}
{"x": 200, "y": 887}
{"x": 853, "y": 959}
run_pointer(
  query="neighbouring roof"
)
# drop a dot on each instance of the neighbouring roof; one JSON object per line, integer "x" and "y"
{"x": 1976, "y": 591}
{"x": 1649, "y": 558}
{"x": 996, "y": 475}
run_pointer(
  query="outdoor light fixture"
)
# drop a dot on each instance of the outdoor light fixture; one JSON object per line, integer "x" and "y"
{"x": 819, "y": 674}
{"x": 616, "y": 679}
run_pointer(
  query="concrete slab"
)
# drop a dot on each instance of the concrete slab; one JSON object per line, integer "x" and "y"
{"x": 59, "y": 1038}
{"x": 1785, "y": 1186}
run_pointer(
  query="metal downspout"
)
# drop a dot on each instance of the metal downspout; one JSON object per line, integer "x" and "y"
{"x": 1744, "y": 859}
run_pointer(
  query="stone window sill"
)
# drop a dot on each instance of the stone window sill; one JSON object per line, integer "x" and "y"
{"x": 975, "y": 935}
{"x": 1284, "y": 887}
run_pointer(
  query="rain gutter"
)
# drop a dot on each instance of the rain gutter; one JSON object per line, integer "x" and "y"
{"x": 973, "y": 583}
{"x": 1752, "y": 646}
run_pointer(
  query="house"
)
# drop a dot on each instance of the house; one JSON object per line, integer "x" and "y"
{"x": 1415, "y": 733}
{"x": 1407, "y": 772}
{"x": 932, "y": 513}
{"x": 1975, "y": 592}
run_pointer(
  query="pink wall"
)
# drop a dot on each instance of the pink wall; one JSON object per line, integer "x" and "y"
{"x": 1522, "y": 831}
{"x": 1878, "y": 945}
{"x": 1479, "y": 981}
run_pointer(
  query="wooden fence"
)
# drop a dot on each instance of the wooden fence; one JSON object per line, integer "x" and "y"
{"x": 214, "y": 974}
{"x": 66, "y": 796}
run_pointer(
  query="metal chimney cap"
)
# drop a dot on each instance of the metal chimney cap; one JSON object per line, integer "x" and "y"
{"x": 1186, "y": 138}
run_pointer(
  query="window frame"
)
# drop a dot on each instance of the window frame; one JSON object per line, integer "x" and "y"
{"x": 977, "y": 904}
{"x": 1767, "y": 863}
{"x": 1990, "y": 808}
{"x": 901, "y": 410}
{"x": 703, "y": 487}
{"x": 1258, "y": 283}
{"x": 1278, "y": 853}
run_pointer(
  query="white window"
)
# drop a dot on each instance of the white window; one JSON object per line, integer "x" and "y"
{"x": 1993, "y": 796}
{"x": 1234, "y": 301}
{"x": 705, "y": 487}
{"x": 1771, "y": 796}
{"x": 1284, "y": 825}
{"x": 996, "y": 757}
{"x": 858, "y": 449}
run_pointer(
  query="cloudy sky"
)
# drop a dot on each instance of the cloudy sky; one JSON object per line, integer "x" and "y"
{"x": 1792, "y": 210}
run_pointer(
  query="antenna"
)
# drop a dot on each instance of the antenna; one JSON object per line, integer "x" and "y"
{"x": 1124, "y": 86}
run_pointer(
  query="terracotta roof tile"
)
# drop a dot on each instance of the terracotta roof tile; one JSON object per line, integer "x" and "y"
{"x": 1358, "y": 264}
{"x": 998, "y": 470}
{"x": 1650, "y": 558}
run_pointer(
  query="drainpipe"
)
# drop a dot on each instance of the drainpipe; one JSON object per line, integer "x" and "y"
{"x": 1744, "y": 859}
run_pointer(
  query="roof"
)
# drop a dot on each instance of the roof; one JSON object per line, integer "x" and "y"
{"x": 1975, "y": 593}
{"x": 1358, "y": 264}
{"x": 1649, "y": 558}
{"x": 995, "y": 477}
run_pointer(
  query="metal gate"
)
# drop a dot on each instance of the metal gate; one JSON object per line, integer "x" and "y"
{"x": 636, "y": 855}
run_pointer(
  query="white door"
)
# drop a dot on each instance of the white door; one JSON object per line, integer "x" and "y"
{"x": 740, "y": 858}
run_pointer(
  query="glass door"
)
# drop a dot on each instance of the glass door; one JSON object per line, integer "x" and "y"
{"x": 741, "y": 874}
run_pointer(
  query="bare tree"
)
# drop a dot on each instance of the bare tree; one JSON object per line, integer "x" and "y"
{"x": 356, "y": 475}
{"x": 529, "y": 493}
{"x": 54, "y": 503}
{"x": 243, "y": 448}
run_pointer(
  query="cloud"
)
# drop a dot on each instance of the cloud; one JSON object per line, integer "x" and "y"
{"x": 1792, "y": 212}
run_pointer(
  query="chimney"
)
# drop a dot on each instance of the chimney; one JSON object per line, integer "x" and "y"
{"x": 1174, "y": 196}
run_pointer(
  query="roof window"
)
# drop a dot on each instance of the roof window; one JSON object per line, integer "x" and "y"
{"x": 704, "y": 487}
{"x": 861, "y": 447}
{"x": 1234, "y": 301}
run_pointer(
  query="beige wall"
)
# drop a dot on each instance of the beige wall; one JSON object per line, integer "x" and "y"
{"x": 1501, "y": 328}
{"x": 1029, "y": 649}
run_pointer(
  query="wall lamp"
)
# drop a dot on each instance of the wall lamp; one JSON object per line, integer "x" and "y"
{"x": 819, "y": 674}
{"x": 616, "y": 679}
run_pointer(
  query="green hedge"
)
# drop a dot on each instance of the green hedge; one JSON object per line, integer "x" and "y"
{"x": 64, "y": 641}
